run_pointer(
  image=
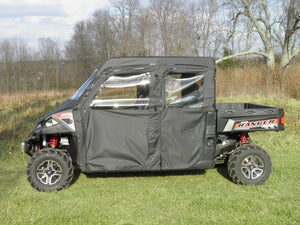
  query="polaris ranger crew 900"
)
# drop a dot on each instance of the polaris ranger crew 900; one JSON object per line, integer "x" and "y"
{"x": 149, "y": 114}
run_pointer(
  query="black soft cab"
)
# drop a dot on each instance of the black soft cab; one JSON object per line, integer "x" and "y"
{"x": 149, "y": 114}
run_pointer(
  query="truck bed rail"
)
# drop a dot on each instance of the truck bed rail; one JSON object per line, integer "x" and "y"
{"x": 247, "y": 117}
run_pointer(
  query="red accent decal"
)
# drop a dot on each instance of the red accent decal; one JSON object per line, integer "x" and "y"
{"x": 282, "y": 120}
{"x": 64, "y": 115}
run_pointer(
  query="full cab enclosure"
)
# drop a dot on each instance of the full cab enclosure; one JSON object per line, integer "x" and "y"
{"x": 149, "y": 114}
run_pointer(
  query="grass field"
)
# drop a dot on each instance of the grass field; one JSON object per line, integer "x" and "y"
{"x": 202, "y": 197}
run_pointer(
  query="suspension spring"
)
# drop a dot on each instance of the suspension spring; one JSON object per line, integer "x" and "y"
{"x": 243, "y": 138}
{"x": 38, "y": 147}
{"x": 54, "y": 141}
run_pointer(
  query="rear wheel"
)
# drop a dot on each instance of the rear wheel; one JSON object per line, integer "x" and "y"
{"x": 50, "y": 170}
{"x": 249, "y": 165}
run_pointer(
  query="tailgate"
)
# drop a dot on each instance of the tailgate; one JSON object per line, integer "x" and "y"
{"x": 247, "y": 117}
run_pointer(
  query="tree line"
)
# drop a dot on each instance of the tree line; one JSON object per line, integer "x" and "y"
{"x": 266, "y": 28}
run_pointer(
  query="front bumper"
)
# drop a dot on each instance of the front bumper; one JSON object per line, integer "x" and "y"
{"x": 27, "y": 146}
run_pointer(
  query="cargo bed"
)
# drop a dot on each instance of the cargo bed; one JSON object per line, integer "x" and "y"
{"x": 247, "y": 117}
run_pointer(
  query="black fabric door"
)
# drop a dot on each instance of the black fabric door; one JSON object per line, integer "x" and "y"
{"x": 183, "y": 136}
{"x": 184, "y": 123}
{"x": 117, "y": 140}
{"x": 122, "y": 126}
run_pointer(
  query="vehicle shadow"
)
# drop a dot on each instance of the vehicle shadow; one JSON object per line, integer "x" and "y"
{"x": 144, "y": 174}
{"x": 133, "y": 174}
{"x": 76, "y": 175}
{"x": 222, "y": 170}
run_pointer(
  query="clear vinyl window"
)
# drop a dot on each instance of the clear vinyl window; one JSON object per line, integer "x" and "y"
{"x": 124, "y": 92}
{"x": 184, "y": 90}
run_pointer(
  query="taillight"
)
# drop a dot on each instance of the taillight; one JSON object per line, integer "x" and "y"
{"x": 282, "y": 120}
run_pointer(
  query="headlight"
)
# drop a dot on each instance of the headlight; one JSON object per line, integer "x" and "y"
{"x": 51, "y": 122}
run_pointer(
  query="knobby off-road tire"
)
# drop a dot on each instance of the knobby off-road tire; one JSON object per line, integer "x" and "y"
{"x": 50, "y": 170}
{"x": 249, "y": 165}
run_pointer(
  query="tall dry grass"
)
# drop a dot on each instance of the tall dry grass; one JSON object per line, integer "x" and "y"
{"x": 292, "y": 83}
{"x": 255, "y": 79}
{"x": 18, "y": 98}
{"x": 251, "y": 79}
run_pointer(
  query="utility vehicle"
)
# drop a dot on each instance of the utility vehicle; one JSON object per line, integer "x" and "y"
{"x": 149, "y": 114}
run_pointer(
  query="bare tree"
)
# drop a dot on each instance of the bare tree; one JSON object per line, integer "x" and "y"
{"x": 80, "y": 50}
{"x": 16, "y": 71}
{"x": 174, "y": 21}
{"x": 292, "y": 25}
{"x": 50, "y": 56}
{"x": 258, "y": 12}
{"x": 7, "y": 65}
{"x": 146, "y": 38}
{"x": 127, "y": 11}
{"x": 102, "y": 32}
{"x": 206, "y": 26}
{"x": 165, "y": 27}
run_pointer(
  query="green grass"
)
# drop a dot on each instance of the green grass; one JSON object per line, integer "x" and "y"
{"x": 203, "y": 197}
{"x": 18, "y": 118}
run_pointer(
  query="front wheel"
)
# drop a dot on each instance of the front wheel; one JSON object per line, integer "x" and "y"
{"x": 50, "y": 170}
{"x": 249, "y": 165}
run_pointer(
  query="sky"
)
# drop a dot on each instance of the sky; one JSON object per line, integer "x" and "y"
{"x": 31, "y": 19}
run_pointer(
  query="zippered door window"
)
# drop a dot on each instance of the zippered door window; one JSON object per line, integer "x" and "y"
{"x": 124, "y": 92}
{"x": 184, "y": 90}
